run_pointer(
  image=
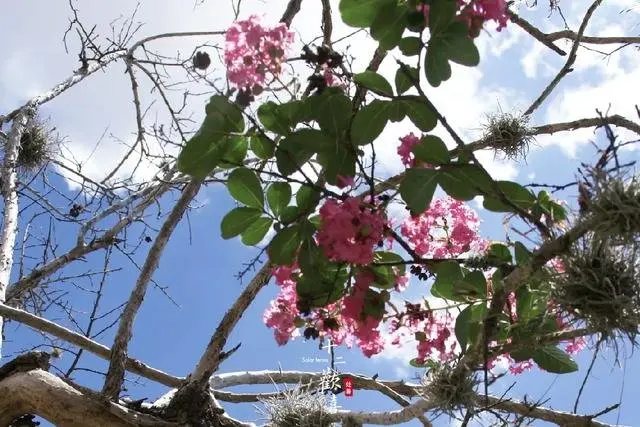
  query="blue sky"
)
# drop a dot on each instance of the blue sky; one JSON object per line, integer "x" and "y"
{"x": 198, "y": 268}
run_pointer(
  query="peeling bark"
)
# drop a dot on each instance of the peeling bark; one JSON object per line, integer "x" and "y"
{"x": 27, "y": 388}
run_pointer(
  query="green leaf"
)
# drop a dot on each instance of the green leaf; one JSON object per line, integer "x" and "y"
{"x": 262, "y": 147}
{"x": 289, "y": 214}
{"x": 244, "y": 186}
{"x": 307, "y": 198}
{"x": 527, "y": 307}
{"x": 332, "y": 111}
{"x": 499, "y": 252}
{"x": 473, "y": 286}
{"x": 441, "y": 13}
{"x": 462, "y": 51}
{"x": 396, "y": 111}
{"x": 459, "y": 48}
{"x": 404, "y": 83}
{"x": 278, "y": 196}
{"x": 417, "y": 188}
{"x": 436, "y": 63}
{"x": 310, "y": 258}
{"x": 523, "y": 354}
{"x": 514, "y": 192}
{"x": 554, "y": 360}
{"x": 385, "y": 276}
{"x": 202, "y": 154}
{"x": 410, "y": 46}
{"x": 236, "y": 152}
{"x": 360, "y": 13}
{"x": 389, "y": 24}
{"x": 414, "y": 362}
{"x": 340, "y": 162}
{"x": 448, "y": 274}
{"x": 205, "y": 150}
{"x": 552, "y": 209}
{"x": 226, "y": 114}
{"x": 256, "y": 231}
{"x": 323, "y": 287}
{"x": 273, "y": 119}
{"x": 431, "y": 149}
{"x": 463, "y": 181}
{"x": 415, "y": 20}
{"x": 238, "y": 220}
{"x": 419, "y": 112}
{"x": 297, "y": 148}
{"x": 523, "y": 255}
{"x": 374, "y": 82}
{"x": 369, "y": 122}
{"x": 374, "y": 304}
{"x": 283, "y": 247}
{"x": 468, "y": 324}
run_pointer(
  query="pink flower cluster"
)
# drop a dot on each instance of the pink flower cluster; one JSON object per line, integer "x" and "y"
{"x": 407, "y": 143}
{"x": 282, "y": 312}
{"x": 253, "y": 50}
{"x": 447, "y": 229}
{"x": 437, "y": 339}
{"x": 364, "y": 328}
{"x": 332, "y": 79}
{"x": 350, "y": 230}
{"x": 342, "y": 321}
{"x": 476, "y": 12}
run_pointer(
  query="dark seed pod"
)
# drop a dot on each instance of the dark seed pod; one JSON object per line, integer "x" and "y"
{"x": 201, "y": 60}
{"x": 75, "y": 211}
{"x": 311, "y": 333}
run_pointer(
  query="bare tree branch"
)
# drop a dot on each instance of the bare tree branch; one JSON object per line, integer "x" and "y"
{"x": 115, "y": 374}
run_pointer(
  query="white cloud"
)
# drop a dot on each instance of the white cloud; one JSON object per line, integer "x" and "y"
{"x": 579, "y": 101}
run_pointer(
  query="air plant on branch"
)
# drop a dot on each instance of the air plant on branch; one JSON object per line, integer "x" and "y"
{"x": 508, "y": 134}
{"x": 615, "y": 202}
{"x": 601, "y": 286}
{"x": 297, "y": 407}
{"x": 449, "y": 388}
{"x": 37, "y": 145}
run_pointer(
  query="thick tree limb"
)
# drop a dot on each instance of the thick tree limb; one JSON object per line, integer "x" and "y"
{"x": 531, "y": 411}
{"x": 360, "y": 382}
{"x": 293, "y": 7}
{"x": 41, "y": 393}
{"x": 534, "y": 32}
{"x": 8, "y": 174}
{"x": 210, "y": 359}
{"x": 85, "y": 343}
{"x": 391, "y": 417}
{"x": 115, "y": 374}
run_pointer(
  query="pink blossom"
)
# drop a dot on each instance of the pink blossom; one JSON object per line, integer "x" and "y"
{"x": 407, "y": 143}
{"x": 282, "y": 312}
{"x": 253, "y": 50}
{"x": 350, "y": 230}
{"x": 447, "y": 229}
{"x": 476, "y": 12}
{"x": 344, "y": 181}
{"x": 331, "y": 78}
{"x": 402, "y": 280}
{"x": 558, "y": 265}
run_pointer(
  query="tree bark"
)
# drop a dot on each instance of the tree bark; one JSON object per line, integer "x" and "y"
{"x": 10, "y": 199}
{"x": 40, "y": 393}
